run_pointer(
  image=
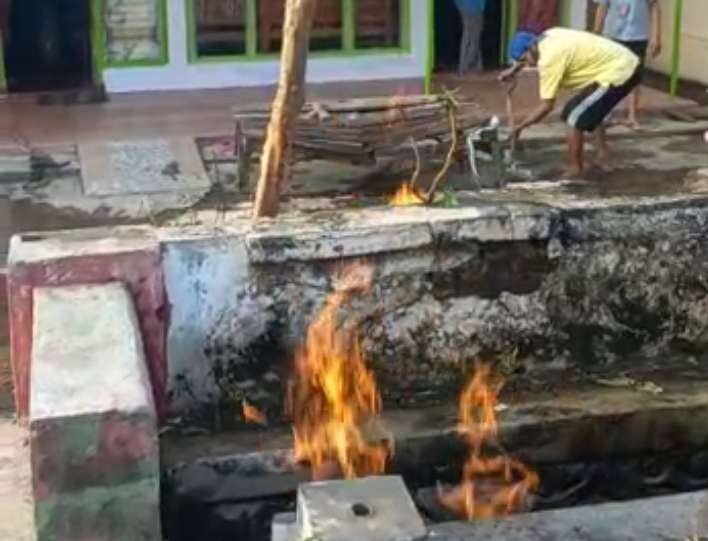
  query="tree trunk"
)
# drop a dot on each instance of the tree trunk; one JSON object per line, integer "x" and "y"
{"x": 289, "y": 99}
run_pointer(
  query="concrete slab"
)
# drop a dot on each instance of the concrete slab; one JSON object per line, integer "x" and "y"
{"x": 371, "y": 509}
{"x": 94, "y": 450}
{"x": 550, "y": 132}
{"x": 284, "y": 527}
{"x": 66, "y": 380}
{"x": 671, "y": 518}
{"x": 142, "y": 167}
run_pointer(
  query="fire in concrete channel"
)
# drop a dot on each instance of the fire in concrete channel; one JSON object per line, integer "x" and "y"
{"x": 465, "y": 474}
{"x": 411, "y": 326}
{"x": 335, "y": 406}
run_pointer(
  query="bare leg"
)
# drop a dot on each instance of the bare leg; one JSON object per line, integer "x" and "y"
{"x": 604, "y": 156}
{"x": 465, "y": 48}
{"x": 576, "y": 147}
{"x": 477, "y": 42}
{"x": 633, "y": 114}
{"x": 603, "y": 150}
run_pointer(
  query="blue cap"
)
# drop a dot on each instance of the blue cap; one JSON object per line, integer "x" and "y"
{"x": 521, "y": 43}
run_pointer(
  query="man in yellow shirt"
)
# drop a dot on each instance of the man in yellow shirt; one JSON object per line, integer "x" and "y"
{"x": 603, "y": 71}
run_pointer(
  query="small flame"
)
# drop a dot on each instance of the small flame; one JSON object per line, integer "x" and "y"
{"x": 491, "y": 485}
{"x": 333, "y": 397}
{"x": 252, "y": 414}
{"x": 406, "y": 195}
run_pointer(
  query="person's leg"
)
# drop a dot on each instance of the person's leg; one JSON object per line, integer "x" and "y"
{"x": 604, "y": 156}
{"x": 639, "y": 48}
{"x": 576, "y": 148}
{"x": 477, "y": 43}
{"x": 577, "y": 113}
{"x": 592, "y": 119}
{"x": 633, "y": 110}
{"x": 464, "y": 61}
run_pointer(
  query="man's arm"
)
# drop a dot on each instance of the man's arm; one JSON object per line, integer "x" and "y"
{"x": 600, "y": 17}
{"x": 510, "y": 73}
{"x": 655, "y": 41}
{"x": 536, "y": 116}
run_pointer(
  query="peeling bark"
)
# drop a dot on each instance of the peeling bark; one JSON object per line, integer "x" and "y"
{"x": 289, "y": 99}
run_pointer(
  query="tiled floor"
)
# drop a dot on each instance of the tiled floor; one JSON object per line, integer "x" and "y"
{"x": 208, "y": 112}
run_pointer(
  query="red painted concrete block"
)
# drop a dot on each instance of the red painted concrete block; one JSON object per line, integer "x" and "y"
{"x": 141, "y": 272}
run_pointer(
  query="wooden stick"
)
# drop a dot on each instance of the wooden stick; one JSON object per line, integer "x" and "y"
{"x": 442, "y": 174}
{"x": 289, "y": 99}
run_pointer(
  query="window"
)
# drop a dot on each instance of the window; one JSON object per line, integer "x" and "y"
{"x": 377, "y": 23}
{"x": 326, "y": 27}
{"x": 135, "y": 31}
{"x": 250, "y": 28}
{"x": 220, "y": 27}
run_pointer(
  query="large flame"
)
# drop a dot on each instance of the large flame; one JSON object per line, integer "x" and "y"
{"x": 491, "y": 485}
{"x": 333, "y": 397}
{"x": 406, "y": 195}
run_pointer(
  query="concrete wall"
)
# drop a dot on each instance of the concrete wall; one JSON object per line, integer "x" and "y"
{"x": 181, "y": 74}
{"x": 694, "y": 40}
{"x": 536, "y": 288}
{"x": 578, "y": 14}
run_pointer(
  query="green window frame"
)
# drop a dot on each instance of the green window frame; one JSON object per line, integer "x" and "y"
{"x": 3, "y": 75}
{"x": 100, "y": 40}
{"x": 348, "y": 46}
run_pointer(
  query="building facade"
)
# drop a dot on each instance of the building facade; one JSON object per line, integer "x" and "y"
{"x": 145, "y": 45}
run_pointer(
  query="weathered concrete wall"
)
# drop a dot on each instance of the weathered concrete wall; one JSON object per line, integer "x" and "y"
{"x": 589, "y": 289}
{"x": 588, "y": 285}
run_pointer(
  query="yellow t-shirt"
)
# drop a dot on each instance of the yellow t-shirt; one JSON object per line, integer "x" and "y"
{"x": 575, "y": 59}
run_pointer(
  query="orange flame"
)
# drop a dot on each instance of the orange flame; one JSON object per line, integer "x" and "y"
{"x": 333, "y": 397}
{"x": 252, "y": 414}
{"x": 491, "y": 485}
{"x": 406, "y": 195}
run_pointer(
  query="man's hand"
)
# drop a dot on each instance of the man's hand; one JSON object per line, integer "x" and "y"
{"x": 516, "y": 136}
{"x": 509, "y": 74}
{"x": 506, "y": 76}
{"x": 655, "y": 48}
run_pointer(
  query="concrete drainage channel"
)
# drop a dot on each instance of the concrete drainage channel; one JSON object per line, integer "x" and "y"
{"x": 608, "y": 449}
{"x": 193, "y": 323}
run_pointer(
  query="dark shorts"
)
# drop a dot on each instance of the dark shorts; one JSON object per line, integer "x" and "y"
{"x": 639, "y": 48}
{"x": 589, "y": 107}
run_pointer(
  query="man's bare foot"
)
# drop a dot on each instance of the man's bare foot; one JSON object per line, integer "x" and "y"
{"x": 603, "y": 163}
{"x": 572, "y": 173}
{"x": 632, "y": 124}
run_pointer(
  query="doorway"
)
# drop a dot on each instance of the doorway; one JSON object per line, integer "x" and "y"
{"x": 47, "y": 45}
{"x": 448, "y": 33}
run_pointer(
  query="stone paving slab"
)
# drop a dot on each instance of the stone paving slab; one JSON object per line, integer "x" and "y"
{"x": 670, "y": 518}
{"x": 556, "y": 131}
{"x": 142, "y": 167}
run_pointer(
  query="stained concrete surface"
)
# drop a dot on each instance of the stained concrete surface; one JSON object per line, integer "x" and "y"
{"x": 546, "y": 423}
{"x": 672, "y": 518}
{"x": 16, "y": 510}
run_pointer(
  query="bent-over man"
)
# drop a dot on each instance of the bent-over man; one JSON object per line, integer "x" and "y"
{"x": 602, "y": 71}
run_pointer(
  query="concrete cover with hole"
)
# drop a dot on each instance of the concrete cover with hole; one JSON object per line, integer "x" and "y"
{"x": 371, "y": 509}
